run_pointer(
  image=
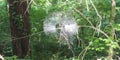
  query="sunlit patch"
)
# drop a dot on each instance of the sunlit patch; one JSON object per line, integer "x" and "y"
{"x": 1, "y": 57}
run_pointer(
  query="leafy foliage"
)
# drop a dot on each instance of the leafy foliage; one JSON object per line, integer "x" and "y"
{"x": 93, "y": 36}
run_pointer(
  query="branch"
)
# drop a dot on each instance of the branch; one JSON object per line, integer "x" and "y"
{"x": 87, "y": 5}
{"x": 113, "y": 12}
{"x": 100, "y": 18}
{"x": 96, "y": 10}
{"x": 112, "y": 17}
{"x": 84, "y": 17}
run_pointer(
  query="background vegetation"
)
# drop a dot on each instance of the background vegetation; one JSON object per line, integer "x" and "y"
{"x": 99, "y": 32}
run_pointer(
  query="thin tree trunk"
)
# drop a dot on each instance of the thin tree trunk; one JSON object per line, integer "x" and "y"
{"x": 112, "y": 17}
{"x": 20, "y": 27}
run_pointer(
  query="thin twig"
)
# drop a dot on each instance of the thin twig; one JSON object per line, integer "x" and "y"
{"x": 84, "y": 17}
{"x": 96, "y": 10}
{"x": 26, "y": 36}
{"x": 87, "y": 5}
{"x": 97, "y": 30}
{"x": 100, "y": 18}
{"x": 84, "y": 51}
{"x": 29, "y": 3}
{"x": 80, "y": 1}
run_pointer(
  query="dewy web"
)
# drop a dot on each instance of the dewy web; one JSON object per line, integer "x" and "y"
{"x": 62, "y": 25}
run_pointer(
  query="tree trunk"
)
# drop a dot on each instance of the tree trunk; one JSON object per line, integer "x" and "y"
{"x": 20, "y": 27}
{"x": 112, "y": 17}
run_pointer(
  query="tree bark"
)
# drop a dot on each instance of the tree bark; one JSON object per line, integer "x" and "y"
{"x": 112, "y": 17}
{"x": 20, "y": 27}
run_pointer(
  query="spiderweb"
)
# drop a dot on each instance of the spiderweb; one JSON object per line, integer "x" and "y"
{"x": 61, "y": 25}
